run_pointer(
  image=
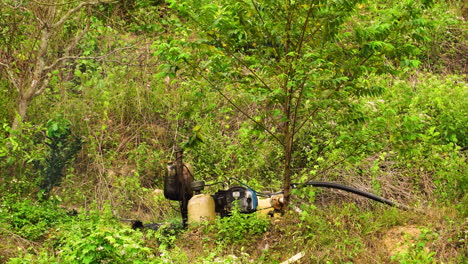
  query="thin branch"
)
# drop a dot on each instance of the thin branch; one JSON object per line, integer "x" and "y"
{"x": 11, "y": 77}
{"x": 230, "y": 53}
{"x": 302, "y": 85}
{"x": 73, "y": 43}
{"x": 339, "y": 86}
{"x": 40, "y": 21}
{"x": 312, "y": 114}
{"x": 366, "y": 59}
{"x": 76, "y": 9}
{"x": 299, "y": 99}
{"x": 38, "y": 65}
{"x": 33, "y": 245}
{"x": 69, "y": 13}
{"x": 97, "y": 58}
{"x": 61, "y": 4}
{"x": 317, "y": 28}
{"x": 131, "y": 64}
{"x": 35, "y": 17}
{"x": 304, "y": 29}
{"x": 258, "y": 12}
{"x": 17, "y": 6}
{"x": 251, "y": 71}
{"x": 40, "y": 90}
{"x": 309, "y": 117}
{"x": 244, "y": 64}
{"x": 234, "y": 104}
{"x": 344, "y": 158}
{"x": 263, "y": 27}
{"x": 288, "y": 92}
{"x": 77, "y": 39}
{"x": 33, "y": 47}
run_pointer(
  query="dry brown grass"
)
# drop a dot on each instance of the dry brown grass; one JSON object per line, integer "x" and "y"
{"x": 12, "y": 244}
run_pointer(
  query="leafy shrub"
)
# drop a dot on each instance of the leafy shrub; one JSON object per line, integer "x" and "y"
{"x": 417, "y": 252}
{"x": 31, "y": 220}
{"x": 165, "y": 235}
{"x": 98, "y": 238}
{"x": 245, "y": 155}
{"x": 62, "y": 148}
{"x": 445, "y": 52}
{"x": 93, "y": 238}
{"x": 99, "y": 242}
{"x": 42, "y": 258}
{"x": 238, "y": 227}
{"x": 19, "y": 152}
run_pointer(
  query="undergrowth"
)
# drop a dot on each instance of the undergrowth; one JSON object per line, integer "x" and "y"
{"x": 99, "y": 136}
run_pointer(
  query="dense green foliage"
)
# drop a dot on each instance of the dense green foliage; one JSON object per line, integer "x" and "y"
{"x": 296, "y": 60}
{"x": 95, "y": 95}
{"x": 62, "y": 149}
{"x": 29, "y": 219}
{"x": 90, "y": 239}
{"x": 237, "y": 228}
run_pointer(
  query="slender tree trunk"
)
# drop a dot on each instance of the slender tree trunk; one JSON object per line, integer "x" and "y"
{"x": 288, "y": 136}
{"x": 287, "y": 170}
{"x": 26, "y": 95}
{"x": 37, "y": 82}
{"x": 23, "y": 104}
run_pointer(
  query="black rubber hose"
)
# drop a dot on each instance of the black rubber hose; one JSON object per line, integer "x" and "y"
{"x": 352, "y": 190}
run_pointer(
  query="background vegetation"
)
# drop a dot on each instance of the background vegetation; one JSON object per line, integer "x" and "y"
{"x": 96, "y": 94}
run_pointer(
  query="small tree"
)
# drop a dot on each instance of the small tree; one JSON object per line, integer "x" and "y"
{"x": 296, "y": 58}
{"x": 37, "y": 38}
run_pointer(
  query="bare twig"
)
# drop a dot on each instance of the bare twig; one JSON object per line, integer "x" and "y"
{"x": 243, "y": 63}
{"x": 239, "y": 60}
{"x": 229, "y": 100}
{"x": 302, "y": 85}
{"x": 77, "y": 39}
{"x": 76, "y": 9}
{"x": 312, "y": 114}
{"x": 251, "y": 71}
{"x": 268, "y": 33}
{"x": 11, "y": 76}
{"x": 130, "y": 64}
{"x": 366, "y": 59}
{"x": 58, "y": 4}
{"x": 348, "y": 156}
{"x": 33, "y": 244}
{"x": 97, "y": 58}
{"x": 42, "y": 87}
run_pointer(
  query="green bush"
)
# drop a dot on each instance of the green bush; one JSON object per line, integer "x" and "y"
{"x": 422, "y": 125}
{"x": 29, "y": 219}
{"x": 238, "y": 228}
{"x": 20, "y": 152}
{"x": 417, "y": 252}
{"x": 93, "y": 238}
{"x": 166, "y": 235}
{"x": 99, "y": 242}
{"x": 62, "y": 147}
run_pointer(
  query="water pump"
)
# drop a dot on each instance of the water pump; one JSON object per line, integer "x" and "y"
{"x": 179, "y": 186}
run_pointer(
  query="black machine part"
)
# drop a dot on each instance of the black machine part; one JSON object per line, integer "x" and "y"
{"x": 224, "y": 199}
{"x": 177, "y": 184}
{"x": 171, "y": 184}
{"x": 197, "y": 186}
{"x": 178, "y": 187}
